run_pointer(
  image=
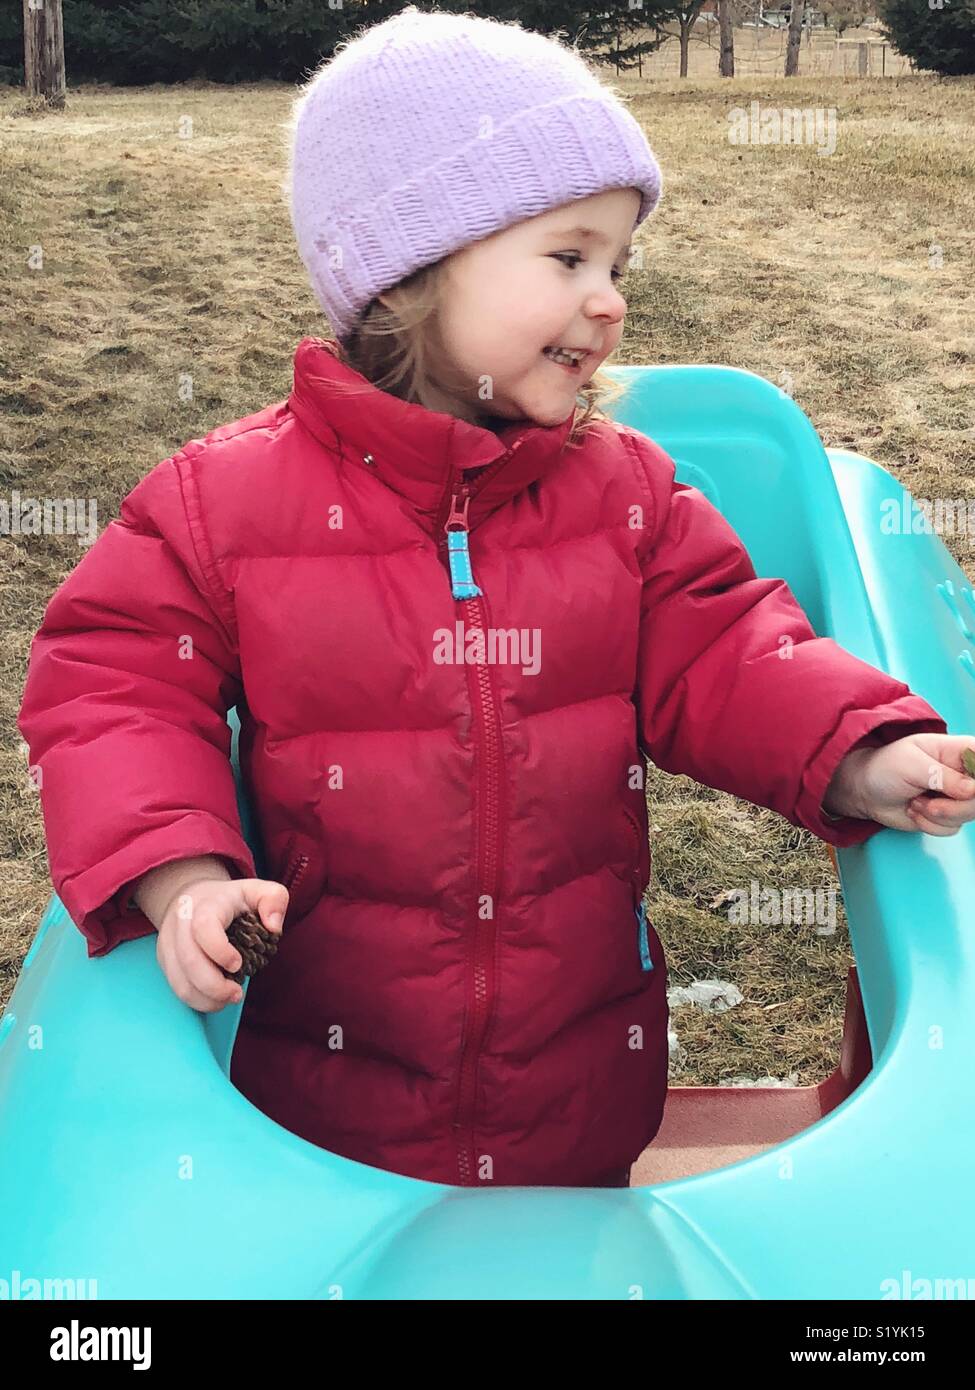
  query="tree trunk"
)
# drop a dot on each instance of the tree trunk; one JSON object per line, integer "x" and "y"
{"x": 44, "y": 51}
{"x": 685, "y": 33}
{"x": 726, "y": 65}
{"x": 795, "y": 34}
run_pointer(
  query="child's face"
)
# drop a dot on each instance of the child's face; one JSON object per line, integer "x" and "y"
{"x": 537, "y": 284}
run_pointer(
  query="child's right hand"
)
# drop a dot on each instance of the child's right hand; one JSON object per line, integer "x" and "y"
{"x": 192, "y": 935}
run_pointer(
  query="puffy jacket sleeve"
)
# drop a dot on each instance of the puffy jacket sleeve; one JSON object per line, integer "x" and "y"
{"x": 734, "y": 688}
{"x": 129, "y": 680}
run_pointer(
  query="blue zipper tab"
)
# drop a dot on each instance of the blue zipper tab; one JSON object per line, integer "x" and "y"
{"x": 646, "y": 963}
{"x": 461, "y": 575}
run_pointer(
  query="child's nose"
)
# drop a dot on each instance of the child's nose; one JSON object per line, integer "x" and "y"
{"x": 607, "y": 304}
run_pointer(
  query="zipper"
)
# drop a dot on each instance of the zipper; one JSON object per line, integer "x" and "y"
{"x": 294, "y": 873}
{"x": 480, "y": 985}
{"x": 470, "y": 489}
{"x": 635, "y": 873}
{"x": 462, "y": 584}
{"x": 482, "y": 982}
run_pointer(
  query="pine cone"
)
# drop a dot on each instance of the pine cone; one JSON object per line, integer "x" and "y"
{"x": 254, "y": 942}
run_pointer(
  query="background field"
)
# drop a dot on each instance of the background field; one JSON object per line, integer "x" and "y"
{"x": 847, "y": 279}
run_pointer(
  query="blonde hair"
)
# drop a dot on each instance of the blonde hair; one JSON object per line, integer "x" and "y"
{"x": 398, "y": 350}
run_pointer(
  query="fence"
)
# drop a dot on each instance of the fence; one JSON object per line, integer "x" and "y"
{"x": 761, "y": 53}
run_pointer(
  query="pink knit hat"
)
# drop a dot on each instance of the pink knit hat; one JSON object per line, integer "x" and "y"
{"x": 433, "y": 130}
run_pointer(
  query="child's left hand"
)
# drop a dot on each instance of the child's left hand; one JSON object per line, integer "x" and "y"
{"x": 916, "y": 783}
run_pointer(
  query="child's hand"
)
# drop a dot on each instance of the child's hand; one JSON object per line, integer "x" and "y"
{"x": 192, "y": 939}
{"x": 916, "y": 783}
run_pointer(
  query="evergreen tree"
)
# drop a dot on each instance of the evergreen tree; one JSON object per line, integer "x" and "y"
{"x": 938, "y": 35}
{"x": 136, "y": 42}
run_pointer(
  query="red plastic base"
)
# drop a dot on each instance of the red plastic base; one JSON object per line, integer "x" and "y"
{"x": 706, "y": 1127}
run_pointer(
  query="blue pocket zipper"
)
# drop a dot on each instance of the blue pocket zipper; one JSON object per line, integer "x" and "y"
{"x": 646, "y": 962}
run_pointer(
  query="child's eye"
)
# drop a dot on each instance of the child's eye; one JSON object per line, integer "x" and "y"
{"x": 565, "y": 256}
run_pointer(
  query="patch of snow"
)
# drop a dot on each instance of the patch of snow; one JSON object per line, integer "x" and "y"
{"x": 714, "y": 996}
{"x": 791, "y": 1080}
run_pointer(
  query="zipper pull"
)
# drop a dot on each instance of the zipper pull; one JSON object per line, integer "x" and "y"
{"x": 461, "y": 577}
{"x": 460, "y": 517}
{"x": 646, "y": 960}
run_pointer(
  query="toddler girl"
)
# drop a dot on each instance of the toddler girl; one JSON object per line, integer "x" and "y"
{"x": 455, "y": 607}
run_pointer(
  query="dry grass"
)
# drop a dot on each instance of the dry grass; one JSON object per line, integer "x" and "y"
{"x": 165, "y": 256}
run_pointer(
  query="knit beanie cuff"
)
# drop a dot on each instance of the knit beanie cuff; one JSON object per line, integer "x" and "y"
{"x": 534, "y": 162}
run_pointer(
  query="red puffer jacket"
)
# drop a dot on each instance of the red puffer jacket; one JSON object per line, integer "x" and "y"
{"x": 467, "y": 989}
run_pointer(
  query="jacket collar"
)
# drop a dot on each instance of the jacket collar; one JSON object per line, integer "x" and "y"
{"x": 416, "y": 452}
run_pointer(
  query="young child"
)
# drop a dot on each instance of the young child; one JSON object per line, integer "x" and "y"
{"x": 454, "y": 611}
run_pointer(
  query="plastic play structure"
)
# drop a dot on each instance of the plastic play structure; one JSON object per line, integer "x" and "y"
{"x": 129, "y": 1159}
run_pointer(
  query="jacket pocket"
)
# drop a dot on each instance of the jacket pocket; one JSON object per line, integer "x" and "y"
{"x": 635, "y": 833}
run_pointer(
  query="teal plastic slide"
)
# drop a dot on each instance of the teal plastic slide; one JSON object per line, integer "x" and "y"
{"x": 130, "y": 1167}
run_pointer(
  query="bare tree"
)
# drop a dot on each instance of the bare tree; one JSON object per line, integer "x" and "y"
{"x": 795, "y": 35}
{"x": 845, "y": 14}
{"x": 686, "y": 13}
{"x": 44, "y": 51}
{"x": 726, "y": 63}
